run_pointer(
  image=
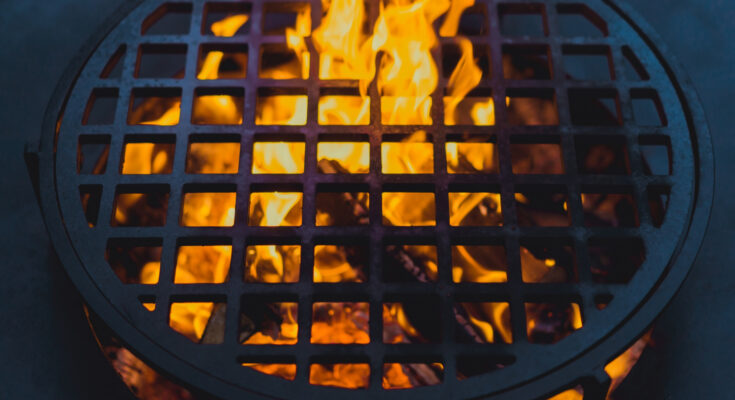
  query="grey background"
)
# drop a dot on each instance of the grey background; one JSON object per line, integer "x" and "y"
{"x": 47, "y": 350}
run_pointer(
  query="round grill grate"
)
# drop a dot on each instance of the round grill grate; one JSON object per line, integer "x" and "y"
{"x": 595, "y": 168}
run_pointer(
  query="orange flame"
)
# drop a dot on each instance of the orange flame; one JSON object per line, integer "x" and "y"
{"x": 406, "y": 78}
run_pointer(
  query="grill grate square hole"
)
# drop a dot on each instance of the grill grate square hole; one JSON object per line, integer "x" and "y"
{"x": 222, "y": 61}
{"x": 548, "y": 323}
{"x": 150, "y": 306}
{"x": 603, "y": 154}
{"x": 272, "y": 263}
{"x": 532, "y": 107}
{"x": 548, "y": 261}
{"x": 483, "y": 322}
{"x": 343, "y": 157}
{"x": 146, "y": 155}
{"x": 278, "y": 157}
{"x": 452, "y": 54}
{"x": 263, "y": 322}
{"x": 278, "y": 61}
{"x": 475, "y": 209}
{"x": 135, "y": 261}
{"x": 202, "y": 264}
{"x": 339, "y": 263}
{"x": 476, "y": 109}
{"x": 205, "y": 157}
{"x": 91, "y": 196}
{"x": 288, "y": 204}
{"x": 410, "y": 263}
{"x": 393, "y": 106}
{"x": 471, "y": 155}
{"x": 340, "y": 323}
{"x": 161, "y": 61}
{"x": 169, "y": 19}
{"x": 542, "y": 206}
{"x": 278, "y": 17}
{"x": 342, "y": 208}
{"x": 218, "y": 106}
{"x": 537, "y": 158}
{"x": 114, "y": 67}
{"x": 611, "y": 207}
{"x": 410, "y": 375}
{"x": 615, "y": 260}
{"x": 340, "y": 109}
{"x": 647, "y": 108}
{"x": 282, "y": 370}
{"x": 656, "y": 153}
{"x": 472, "y": 22}
{"x": 416, "y": 325}
{"x": 159, "y": 106}
{"x": 331, "y": 375}
{"x": 592, "y": 107}
{"x": 479, "y": 264}
{"x": 226, "y": 19}
{"x": 281, "y": 106}
{"x": 199, "y": 321}
{"x": 518, "y": 20}
{"x": 92, "y": 154}
{"x": 588, "y": 63}
{"x": 526, "y": 62}
{"x": 412, "y": 155}
{"x": 208, "y": 209}
{"x": 101, "y": 107}
{"x": 658, "y": 202}
{"x": 144, "y": 205}
{"x": 409, "y": 209}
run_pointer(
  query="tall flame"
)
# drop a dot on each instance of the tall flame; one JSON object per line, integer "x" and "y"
{"x": 406, "y": 77}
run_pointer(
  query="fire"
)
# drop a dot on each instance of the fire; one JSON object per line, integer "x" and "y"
{"x": 397, "y": 58}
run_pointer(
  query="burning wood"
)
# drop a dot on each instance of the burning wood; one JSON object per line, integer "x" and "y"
{"x": 405, "y": 77}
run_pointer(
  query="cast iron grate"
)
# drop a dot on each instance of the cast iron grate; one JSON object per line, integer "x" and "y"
{"x": 600, "y": 88}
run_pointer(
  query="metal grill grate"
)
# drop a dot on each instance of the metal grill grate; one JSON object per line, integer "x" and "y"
{"x": 98, "y": 123}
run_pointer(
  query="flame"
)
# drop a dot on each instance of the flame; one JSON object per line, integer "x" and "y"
{"x": 474, "y": 209}
{"x": 409, "y": 209}
{"x": 468, "y": 158}
{"x": 190, "y": 319}
{"x": 340, "y": 323}
{"x": 413, "y": 155}
{"x": 481, "y": 264}
{"x": 202, "y": 264}
{"x": 278, "y": 158}
{"x": 348, "y": 376}
{"x": 331, "y": 265}
{"x": 344, "y": 110}
{"x": 213, "y": 158}
{"x": 275, "y": 209}
{"x": 451, "y": 21}
{"x": 285, "y": 371}
{"x": 229, "y": 26}
{"x": 146, "y": 158}
{"x": 352, "y": 158}
{"x": 398, "y": 59}
{"x": 341, "y": 42}
{"x": 272, "y": 263}
{"x": 208, "y": 209}
{"x": 287, "y": 332}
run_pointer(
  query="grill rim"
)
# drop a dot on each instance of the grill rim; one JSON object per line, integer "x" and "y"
{"x": 625, "y": 333}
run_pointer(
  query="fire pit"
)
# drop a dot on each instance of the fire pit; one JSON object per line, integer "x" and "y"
{"x": 457, "y": 199}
